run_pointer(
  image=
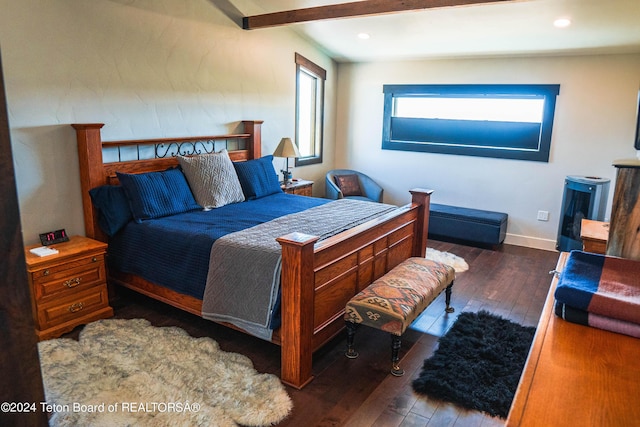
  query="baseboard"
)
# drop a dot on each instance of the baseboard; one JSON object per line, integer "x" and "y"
{"x": 530, "y": 242}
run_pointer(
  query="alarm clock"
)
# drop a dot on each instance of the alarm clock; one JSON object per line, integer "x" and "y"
{"x": 52, "y": 237}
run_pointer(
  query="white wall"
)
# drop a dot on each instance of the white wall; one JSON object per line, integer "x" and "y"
{"x": 155, "y": 68}
{"x": 594, "y": 125}
{"x": 145, "y": 68}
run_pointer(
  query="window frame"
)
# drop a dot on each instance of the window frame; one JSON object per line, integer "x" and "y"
{"x": 475, "y": 145}
{"x": 305, "y": 65}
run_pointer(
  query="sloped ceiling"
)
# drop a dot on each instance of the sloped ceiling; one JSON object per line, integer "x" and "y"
{"x": 519, "y": 27}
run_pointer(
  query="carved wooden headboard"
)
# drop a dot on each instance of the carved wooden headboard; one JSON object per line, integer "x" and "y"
{"x": 132, "y": 157}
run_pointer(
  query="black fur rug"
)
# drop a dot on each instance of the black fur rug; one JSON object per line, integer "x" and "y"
{"x": 477, "y": 364}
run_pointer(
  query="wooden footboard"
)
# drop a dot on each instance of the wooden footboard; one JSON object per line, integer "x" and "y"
{"x": 318, "y": 278}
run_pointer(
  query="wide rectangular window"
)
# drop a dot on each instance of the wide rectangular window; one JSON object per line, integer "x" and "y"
{"x": 504, "y": 121}
{"x": 309, "y": 110}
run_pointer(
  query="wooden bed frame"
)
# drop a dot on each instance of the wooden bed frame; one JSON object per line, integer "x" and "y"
{"x": 317, "y": 279}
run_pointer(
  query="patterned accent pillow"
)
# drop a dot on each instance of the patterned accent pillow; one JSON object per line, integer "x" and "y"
{"x": 212, "y": 178}
{"x": 157, "y": 194}
{"x": 349, "y": 185}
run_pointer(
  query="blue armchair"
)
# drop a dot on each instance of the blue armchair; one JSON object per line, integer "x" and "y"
{"x": 359, "y": 185}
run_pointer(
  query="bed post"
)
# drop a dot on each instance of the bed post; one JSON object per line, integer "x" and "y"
{"x": 421, "y": 197}
{"x": 91, "y": 173}
{"x": 298, "y": 287}
{"x": 254, "y": 128}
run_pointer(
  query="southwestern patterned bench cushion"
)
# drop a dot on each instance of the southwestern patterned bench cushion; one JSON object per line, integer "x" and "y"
{"x": 395, "y": 300}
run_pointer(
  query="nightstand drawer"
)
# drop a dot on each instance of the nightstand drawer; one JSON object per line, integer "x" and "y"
{"x": 46, "y": 273}
{"x": 301, "y": 187}
{"x": 77, "y": 275}
{"x": 303, "y": 191}
{"x": 77, "y": 305}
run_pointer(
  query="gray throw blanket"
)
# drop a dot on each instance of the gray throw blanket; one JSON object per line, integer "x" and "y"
{"x": 244, "y": 267}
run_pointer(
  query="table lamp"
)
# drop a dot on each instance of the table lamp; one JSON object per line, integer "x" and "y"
{"x": 286, "y": 149}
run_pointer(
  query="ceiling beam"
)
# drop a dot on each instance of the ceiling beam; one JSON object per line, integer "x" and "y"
{"x": 352, "y": 9}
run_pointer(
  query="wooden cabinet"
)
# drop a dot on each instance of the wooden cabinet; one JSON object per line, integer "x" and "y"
{"x": 69, "y": 288}
{"x": 301, "y": 187}
{"x": 594, "y": 236}
{"x": 577, "y": 375}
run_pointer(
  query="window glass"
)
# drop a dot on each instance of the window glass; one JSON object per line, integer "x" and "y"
{"x": 491, "y": 109}
{"x": 505, "y": 121}
{"x": 309, "y": 110}
{"x": 307, "y": 90}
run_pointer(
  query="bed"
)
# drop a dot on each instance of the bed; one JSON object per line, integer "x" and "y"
{"x": 317, "y": 276}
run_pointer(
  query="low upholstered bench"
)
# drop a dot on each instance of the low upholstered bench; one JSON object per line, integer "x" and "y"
{"x": 473, "y": 225}
{"x": 394, "y": 301}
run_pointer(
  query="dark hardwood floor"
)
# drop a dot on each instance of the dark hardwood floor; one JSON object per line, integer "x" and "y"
{"x": 511, "y": 281}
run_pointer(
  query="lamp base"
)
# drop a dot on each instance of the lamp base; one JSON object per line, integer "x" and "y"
{"x": 286, "y": 176}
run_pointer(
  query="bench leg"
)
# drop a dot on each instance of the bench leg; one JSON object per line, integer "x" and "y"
{"x": 396, "y": 342}
{"x": 351, "y": 332}
{"x": 447, "y": 296}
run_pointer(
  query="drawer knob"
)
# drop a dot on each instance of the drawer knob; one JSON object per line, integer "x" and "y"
{"x": 94, "y": 259}
{"x": 46, "y": 272}
{"x": 72, "y": 283}
{"x": 73, "y": 308}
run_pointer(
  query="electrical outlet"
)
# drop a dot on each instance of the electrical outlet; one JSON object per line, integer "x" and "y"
{"x": 543, "y": 215}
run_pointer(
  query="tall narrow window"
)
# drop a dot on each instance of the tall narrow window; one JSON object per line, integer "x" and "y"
{"x": 505, "y": 121}
{"x": 309, "y": 110}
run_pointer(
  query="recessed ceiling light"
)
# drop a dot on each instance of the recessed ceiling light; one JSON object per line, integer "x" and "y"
{"x": 562, "y": 22}
{"x": 364, "y": 36}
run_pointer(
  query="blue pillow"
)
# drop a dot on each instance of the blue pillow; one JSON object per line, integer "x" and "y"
{"x": 157, "y": 194}
{"x": 257, "y": 177}
{"x": 113, "y": 207}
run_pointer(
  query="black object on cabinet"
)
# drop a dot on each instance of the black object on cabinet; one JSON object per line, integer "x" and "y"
{"x": 585, "y": 197}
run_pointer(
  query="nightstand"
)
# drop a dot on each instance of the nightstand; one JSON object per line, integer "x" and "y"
{"x": 68, "y": 288}
{"x": 301, "y": 187}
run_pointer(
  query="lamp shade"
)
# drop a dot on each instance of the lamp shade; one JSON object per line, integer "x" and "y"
{"x": 286, "y": 148}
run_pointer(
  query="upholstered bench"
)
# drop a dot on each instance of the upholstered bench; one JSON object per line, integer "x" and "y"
{"x": 394, "y": 301}
{"x": 473, "y": 225}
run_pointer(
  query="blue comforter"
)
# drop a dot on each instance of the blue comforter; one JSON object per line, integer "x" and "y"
{"x": 174, "y": 251}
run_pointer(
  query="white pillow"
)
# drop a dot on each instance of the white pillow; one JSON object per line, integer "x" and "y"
{"x": 212, "y": 178}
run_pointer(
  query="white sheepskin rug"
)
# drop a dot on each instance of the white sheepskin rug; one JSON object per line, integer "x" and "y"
{"x": 128, "y": 372}
{"x": 458, "y": 263}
